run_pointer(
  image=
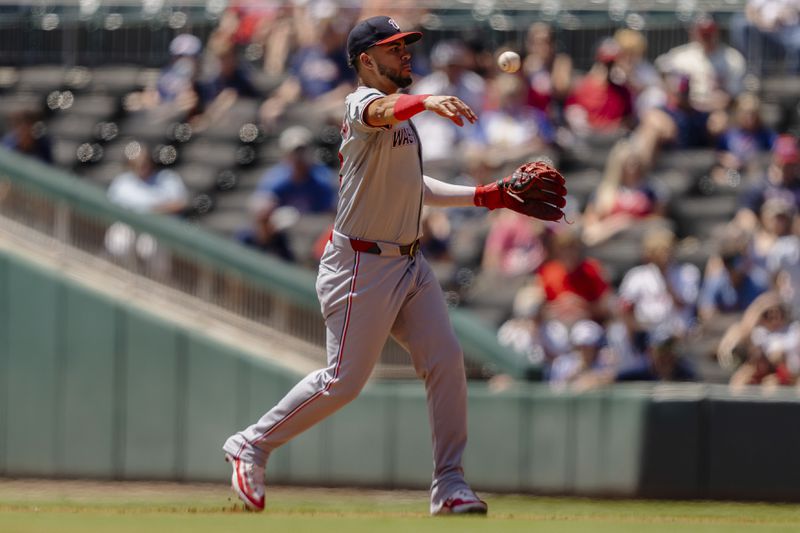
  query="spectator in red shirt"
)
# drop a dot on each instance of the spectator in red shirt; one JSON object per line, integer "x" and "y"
{"x": 514, "y": 244}
{"x": 575, "y": 286}
{"x": 549, "y": 74}
{"x": 599, "y": 103}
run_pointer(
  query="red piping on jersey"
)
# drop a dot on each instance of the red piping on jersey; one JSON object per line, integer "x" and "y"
{"x": 338, "y": 360}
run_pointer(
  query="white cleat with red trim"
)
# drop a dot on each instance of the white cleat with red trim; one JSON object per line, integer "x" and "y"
{"x": 247, "y": 481}
{"x": 462, "y": 501}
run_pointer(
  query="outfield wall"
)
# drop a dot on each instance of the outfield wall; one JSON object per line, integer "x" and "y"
{"x": 92, "y": 387}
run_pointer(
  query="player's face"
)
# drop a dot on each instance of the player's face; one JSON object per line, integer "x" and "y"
{"x": 393, "y": 61}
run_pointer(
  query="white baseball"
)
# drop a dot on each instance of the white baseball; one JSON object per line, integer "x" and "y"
{"x": 509, "y": 61}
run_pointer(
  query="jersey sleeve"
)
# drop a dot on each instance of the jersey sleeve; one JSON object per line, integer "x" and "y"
{"x": 357, "y": 103}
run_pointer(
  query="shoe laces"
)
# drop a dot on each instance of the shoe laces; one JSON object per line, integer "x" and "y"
{"x": 463, "y": 495}
{"x": 254, "y": 474}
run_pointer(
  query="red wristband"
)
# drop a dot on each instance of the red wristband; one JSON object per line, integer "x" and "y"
{"x": 409, "y": 105}
{"x": 488, "y": 196}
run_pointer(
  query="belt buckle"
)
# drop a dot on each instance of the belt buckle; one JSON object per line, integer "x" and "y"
{"x": 414, "y": 248}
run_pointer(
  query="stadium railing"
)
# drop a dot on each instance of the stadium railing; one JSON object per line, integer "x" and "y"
{"x": 135, "y": 31}
{"x": 262, "y": 290}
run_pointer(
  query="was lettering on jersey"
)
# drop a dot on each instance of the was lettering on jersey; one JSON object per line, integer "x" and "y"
{"x": 403, "y": 136}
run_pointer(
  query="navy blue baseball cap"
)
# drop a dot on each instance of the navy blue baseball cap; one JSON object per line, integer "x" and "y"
{"x": 374, "y": 31}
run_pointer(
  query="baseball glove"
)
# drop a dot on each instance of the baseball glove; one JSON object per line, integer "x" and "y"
{"x": 534, "y": 189}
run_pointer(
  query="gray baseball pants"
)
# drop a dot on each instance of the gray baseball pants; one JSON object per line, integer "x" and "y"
{"x": 364, "y": 298}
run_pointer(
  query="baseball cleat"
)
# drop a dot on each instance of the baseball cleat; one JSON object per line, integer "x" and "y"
{"x": 462, "y": 501}
{"x": 247, "y": 481}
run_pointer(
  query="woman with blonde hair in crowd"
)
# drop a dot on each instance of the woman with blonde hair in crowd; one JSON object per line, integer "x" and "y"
{"x": 624, "y": 198}
{"x": 641, "y": 76}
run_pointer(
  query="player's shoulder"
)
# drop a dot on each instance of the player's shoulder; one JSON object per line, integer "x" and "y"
{"x": 363, "y": 94}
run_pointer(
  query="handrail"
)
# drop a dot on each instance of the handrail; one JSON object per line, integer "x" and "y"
{"x": 296, "y": 285}
{"x": 260, "y": 268}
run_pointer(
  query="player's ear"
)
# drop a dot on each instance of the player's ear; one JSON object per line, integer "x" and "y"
{"x": 366, "y": 60}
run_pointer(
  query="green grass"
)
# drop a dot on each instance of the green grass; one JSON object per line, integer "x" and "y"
{"x": 42, "y": 506}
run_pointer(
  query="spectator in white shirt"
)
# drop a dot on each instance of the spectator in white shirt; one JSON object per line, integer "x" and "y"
{"x": 767, "y": 29}
{"x": 145, "y": 187}
{"x": 530, "y": 333}
{"x": 715, "y": 69}
{"x": 661, "y": 292}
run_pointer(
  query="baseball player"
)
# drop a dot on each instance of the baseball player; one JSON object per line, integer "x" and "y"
{"x": 372, "y": 280}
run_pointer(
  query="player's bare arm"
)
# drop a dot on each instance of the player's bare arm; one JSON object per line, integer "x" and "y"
{"x": 387, "y": 67}
{"x": 397, "y": 108}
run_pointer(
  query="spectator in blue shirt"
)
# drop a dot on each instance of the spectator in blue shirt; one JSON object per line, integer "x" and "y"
{"x": 741, "y": 144}
{"x": 663, "y": 362}
{"x": 677, "y": 124}
{"x": 782, "y": 180}
{"x": 296, "y": 181}
{"x": 266, "y": 234}
{"x": 220, "y": 90}
{"x": 733, "y": 286}
{"x": 180, "y": 76}
{"x": 318, "y": 74}
{"x": 230, "y": 75}
{"x": 28, "y": 137}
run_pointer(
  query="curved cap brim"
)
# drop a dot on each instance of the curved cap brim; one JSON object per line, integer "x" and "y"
{"x": 409, "y": 36}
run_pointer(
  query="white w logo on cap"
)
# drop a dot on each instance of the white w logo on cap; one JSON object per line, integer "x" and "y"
{"x": 394, "y": 24}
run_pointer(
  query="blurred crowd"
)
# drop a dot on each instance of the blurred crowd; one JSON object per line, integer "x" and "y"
{"x": 561, "y": 308}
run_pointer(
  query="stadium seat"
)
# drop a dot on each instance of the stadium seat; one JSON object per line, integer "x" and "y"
{"x": 9, "y": 77}
{"x": 197, "y": 178}
{"x": 145, "y": 125}
{"x": 41, "y": 78}
{"x": 695, "y": 161}
{"x": 582, "y": 183}
{"x": 467, "y": 241}
{"x": 102, "y": 174}
{"x": 225, "y": 222}
{"x": 73, "y": 127}
{"x": 64, "y": 152}
{"x": 678, "y": 182}
{"x": 699, "y": 216}
{"x": 116, "y": 80}
{"x": 619, "y": 254}
{"x": 233, "y": 200}
{"x": 15, "y": 101}
{"x": 100, "y": 106}
{"x": 492, "y": 295}
{"x": 206, "y": 152}
{"x": 249, "y": 178}
{"x": 305, "y": 232}
{"x": 783, "y": 89}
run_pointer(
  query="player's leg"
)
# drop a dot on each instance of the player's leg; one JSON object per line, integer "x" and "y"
{"x": 423, "y": 328}
{"x": 359, "y": 298}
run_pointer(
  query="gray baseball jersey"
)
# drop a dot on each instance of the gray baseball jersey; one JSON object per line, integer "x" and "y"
{"x": 368, "y": 291}
{"x": 380, "y": 197}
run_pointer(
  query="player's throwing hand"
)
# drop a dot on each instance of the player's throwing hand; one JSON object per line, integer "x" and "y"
{"x": 450, "y": 107}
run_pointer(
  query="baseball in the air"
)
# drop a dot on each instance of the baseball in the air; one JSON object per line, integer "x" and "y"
{"x": 509, "y": 61}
